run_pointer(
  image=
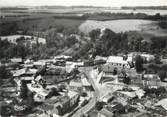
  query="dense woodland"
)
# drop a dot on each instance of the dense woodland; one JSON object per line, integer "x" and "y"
{"x": 105, "y": 44}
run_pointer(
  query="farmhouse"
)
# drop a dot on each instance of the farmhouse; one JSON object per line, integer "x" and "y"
{"x": 148, "y": 57}
{"x": 62, "y": 57}
{"x": 25, "y": 38}
{"x": 75, "y": 85}
{"x": 145, "y": 56}
{"x": 40, "y": 92}
{"x": 119, "y": 62}
{"x": 62, "y": 104}
{"x": 16, "y": 60}
{"x": 23, "y": 73}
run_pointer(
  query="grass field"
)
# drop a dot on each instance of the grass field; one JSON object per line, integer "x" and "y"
{"x": 146, "y": 28}
{"x": 116, "y": 25}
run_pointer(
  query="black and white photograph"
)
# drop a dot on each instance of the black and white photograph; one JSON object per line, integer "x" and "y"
{"x": 83, "y": 58}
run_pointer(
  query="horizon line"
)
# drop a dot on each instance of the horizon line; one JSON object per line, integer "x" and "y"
{"x": 82, "y": 6}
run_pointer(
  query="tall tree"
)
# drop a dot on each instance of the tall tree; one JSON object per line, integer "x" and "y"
{"x": 94, "y": 34}
{"x": 24, "y": 90}
{"x": 4, "y": 73}
{"x": 139, "y": 63}
{"x": 162, "y": 74}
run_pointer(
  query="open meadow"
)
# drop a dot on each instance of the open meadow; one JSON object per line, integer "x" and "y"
{"x": 146, "y": 28}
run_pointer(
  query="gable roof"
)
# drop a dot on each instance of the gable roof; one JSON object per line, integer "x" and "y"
{"x": 118, "y": 59}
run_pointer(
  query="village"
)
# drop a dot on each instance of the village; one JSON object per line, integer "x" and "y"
{"x": 60, "y": 87}
{"x": 83, "y": 61}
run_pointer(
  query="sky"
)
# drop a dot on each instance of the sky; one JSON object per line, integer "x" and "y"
{"x": 108, "y": 3}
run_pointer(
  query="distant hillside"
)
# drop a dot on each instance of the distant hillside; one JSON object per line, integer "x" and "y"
{"x": 145, "y": 7}
{"x": 48, "y": 7}
{"x": 13, "y": 8}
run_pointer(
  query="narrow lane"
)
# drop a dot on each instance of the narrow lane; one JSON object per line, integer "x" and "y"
{"x": 92, "y": 102}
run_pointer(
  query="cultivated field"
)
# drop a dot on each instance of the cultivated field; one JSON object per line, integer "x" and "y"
{"x": 116, "y": 25}
{"x": 145, "y": 27}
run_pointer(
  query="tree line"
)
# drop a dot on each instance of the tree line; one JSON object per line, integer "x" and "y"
{"x": 110, "y": 43}
{"x": 103, "y": 43}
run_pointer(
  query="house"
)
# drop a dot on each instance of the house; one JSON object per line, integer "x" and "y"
{"x": 126, "y": 94}
{"x": 87, "y": 87}
{"x": 43, "y": 115}
{"x": 60, "y": 60}
{"x": 164, "y": 60}
{"x": 85, "y": 82}
{"x": 56, "y": 70}
{"x": 62, "y": 57}
{"x": 19, "y": 72}
{"x": 81, "y": 85}
{"x": 108, "y": 78}
{"x": 147, "y": 80}
{"x": 39, "y": 91}
{"x": 145, "y": 56}
{"x": 40, "y": 63}
{"x": 151, "y": 80}
{"x": 71, "y": 65}
{"x": 25, "y": 38}
{"x": 107, "y": 97}
{"x": 28, "y": 61}
{"x": 16, "y": 60}
{"x": 108, "y": 69}
{"x": 40, "y": 97}
{"x": 119, "y": 61}
{"x": 20, "y": 108}
{"x": 75, "y": 85}
{"x": 20, "y": 32}
{"x": 100, "y": 58}
{"x": 148, "y": 77}
{"x": 105, "y": 113}
{"x": 148, "y": 57}
{"x": 23, "y": 73}
{"x": 162, "y": 103}
{"x": 63, "y": 104}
